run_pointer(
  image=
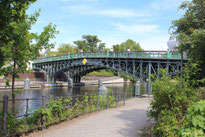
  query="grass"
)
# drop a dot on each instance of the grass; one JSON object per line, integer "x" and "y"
{"x": 101, "y": 73}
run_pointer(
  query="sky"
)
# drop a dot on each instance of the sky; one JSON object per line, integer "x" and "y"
{"x": 113, "y": 21}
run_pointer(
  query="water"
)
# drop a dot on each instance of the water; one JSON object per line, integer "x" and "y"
{"x": 56, "y": 92}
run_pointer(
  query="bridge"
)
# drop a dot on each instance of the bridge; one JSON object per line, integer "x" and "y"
{"x": 138, "y": 64}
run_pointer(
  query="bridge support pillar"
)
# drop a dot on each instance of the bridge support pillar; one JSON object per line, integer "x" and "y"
{"x": 137, "y": 89}
{"x": 51, "y": 76}
{"x": 75, "y": 79}
{"x": 47, "y": 77}
{"x": 78, "y": 79}
{"x": 141, "y": 71}
{"x": 158, "y": 68}
{"x": 149, "y": 87}
{"x": 54, "y": 78}
{"x": 70, "y": 82}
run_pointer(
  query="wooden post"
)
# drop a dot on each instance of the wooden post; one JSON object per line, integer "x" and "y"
{"x": 125, "y": 97}
{"x": 44, "y": 102}
{"x": 5, "y": 113}
{"x": 107, "y": 100}
{"x": 57, "y": 113}
{"x": 43, "y": 107}
{"x": 119, "y": 98}
{"x": 86, "y": 94}
{"x": 97, "y": 101}
{"x": 27, "y": 111}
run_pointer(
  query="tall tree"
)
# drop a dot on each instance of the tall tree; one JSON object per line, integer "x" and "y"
{"x": 129, "y": 44}
{"x": 11, "y": 11}
{"x": 190, "y": 30}
{"x": 21, "y": 45}
{"x": 66, "y": 48}
{"x": 90, "y": 43}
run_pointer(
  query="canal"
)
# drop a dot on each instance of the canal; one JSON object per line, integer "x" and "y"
{"x": 57, "y": 92}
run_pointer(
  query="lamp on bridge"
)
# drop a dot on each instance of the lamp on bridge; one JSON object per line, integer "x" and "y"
{"x": 171, "y": 43}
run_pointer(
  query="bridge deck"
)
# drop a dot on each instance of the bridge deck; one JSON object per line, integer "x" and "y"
{"x": 163, "y": 55}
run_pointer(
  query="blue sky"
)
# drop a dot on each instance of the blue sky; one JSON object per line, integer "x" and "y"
{"x": 113, "y": 21}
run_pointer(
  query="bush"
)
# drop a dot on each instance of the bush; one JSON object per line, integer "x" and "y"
{"x": 172, "y": 108}
{"x": 56, "y": 110}
{"x": 194, "y": 122}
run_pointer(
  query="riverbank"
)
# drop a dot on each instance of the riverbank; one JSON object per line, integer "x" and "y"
{"x": 105, "y": 80}
{"x": 90, "y": 80}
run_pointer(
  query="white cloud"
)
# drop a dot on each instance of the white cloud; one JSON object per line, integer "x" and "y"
{"x": 82, "y": 1}
{"x": 88, "y": 9}
{"x": 154, "y": 42}
{"x": 140, "y": 28}
{"x": 119, "y": 13}
{"x": 166, "y": 4}
{"x": 82, "y": 9}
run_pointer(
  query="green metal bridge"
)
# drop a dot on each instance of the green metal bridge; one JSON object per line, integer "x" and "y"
{"x": 139, "y": 64}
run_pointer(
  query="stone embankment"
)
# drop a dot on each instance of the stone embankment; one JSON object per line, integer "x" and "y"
{"x": 39, "y": 84}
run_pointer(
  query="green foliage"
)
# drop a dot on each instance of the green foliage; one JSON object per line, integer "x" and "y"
{"x": 11, "y": 12}
{"x": 57, "y": 110}
{"x": 7, "y": 83}
{"x": 101, "y": 73}
{"x": 18, "y": 44}
{"x": 90, "y": 43}
{"x": 129, "y": 44}
{"x": 192, "y": 74}
{"x": 64, "y": 49}
{"x": 126, "y": 77}
{"x": 190, "y": 31}
{"x": 142, "y": 88}
{"x": 195, "y": 120}
{"x": 172, "y": 106}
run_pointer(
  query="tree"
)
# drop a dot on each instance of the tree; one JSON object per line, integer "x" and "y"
{"x": 66, "y": 48}
{"x": 90, "y": 43}
{"x": 21, "y": 45}
{"x": 190, "y": 30}
{"x": 11, "y": 11}
{"x": 129, "y": 44}
{"x": 52, "y": 53}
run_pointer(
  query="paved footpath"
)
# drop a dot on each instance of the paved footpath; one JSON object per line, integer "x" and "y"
{"x": 124, "y": 121}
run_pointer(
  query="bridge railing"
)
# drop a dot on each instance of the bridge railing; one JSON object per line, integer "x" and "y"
{"x": 115, "y": 54}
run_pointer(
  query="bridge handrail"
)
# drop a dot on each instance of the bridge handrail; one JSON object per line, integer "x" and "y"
{"x": 115, "y": 54}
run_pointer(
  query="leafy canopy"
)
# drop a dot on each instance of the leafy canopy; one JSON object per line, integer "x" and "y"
{"x": 66, "y": 48}
{"x": 129, "y": 44}
{"x": 190, "y": 30}
{"x": 90, "y": 43}
{"x": 11, "y": 12}
{"x": 18, "y": 44}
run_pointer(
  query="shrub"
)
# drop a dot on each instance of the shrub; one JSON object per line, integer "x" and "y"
{"x": 174, "y": 110}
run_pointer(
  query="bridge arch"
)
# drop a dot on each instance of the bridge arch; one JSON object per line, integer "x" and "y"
{"x": 137, "y": 65}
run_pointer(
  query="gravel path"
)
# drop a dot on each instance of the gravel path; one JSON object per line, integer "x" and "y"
{"x": 125, "y": 121}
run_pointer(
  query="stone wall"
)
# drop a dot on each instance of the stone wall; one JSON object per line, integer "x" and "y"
{"x": 35, "y": 75}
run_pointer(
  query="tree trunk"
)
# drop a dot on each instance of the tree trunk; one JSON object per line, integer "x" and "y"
{"x": 13, "y": 84}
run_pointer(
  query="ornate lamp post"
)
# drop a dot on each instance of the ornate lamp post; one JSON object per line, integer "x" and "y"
{"x": 172, "y": 43}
